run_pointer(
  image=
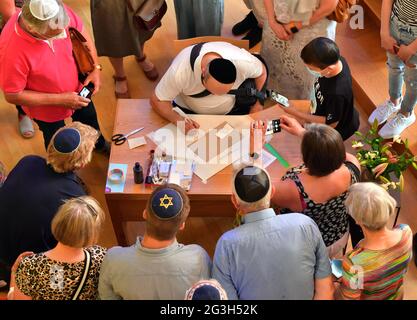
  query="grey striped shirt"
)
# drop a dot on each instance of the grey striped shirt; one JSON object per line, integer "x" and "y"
{"x": 406, "y": 11}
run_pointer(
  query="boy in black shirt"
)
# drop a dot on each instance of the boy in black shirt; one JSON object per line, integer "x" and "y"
{"x": 333, "y": 102}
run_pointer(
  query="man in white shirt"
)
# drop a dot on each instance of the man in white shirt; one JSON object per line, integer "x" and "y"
{"x": 200, "y": 79}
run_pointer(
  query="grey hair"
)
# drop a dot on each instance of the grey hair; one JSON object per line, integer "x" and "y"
{"x": 370, "y": 205}
{"x": 261, "y": 204}
{"x": 59, "y": 21}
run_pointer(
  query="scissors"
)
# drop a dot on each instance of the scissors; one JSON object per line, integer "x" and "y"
{"x": 119, "y": 138}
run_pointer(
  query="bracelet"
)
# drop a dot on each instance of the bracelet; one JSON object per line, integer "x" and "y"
{"x": 116, "y": 176}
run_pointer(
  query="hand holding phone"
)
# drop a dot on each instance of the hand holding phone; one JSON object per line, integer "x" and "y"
{"x": 273, "y": 126}
{"x": 87, "y": 91}
{"x": 283, "y": 101}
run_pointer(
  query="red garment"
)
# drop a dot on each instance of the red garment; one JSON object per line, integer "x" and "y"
{"x": 28, "y": 63}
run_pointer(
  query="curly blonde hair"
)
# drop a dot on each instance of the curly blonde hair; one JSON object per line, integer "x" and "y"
{"x": 77, "y": 159}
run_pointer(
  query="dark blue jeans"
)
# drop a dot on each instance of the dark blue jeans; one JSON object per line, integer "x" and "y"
{"x": 85, "y": 115}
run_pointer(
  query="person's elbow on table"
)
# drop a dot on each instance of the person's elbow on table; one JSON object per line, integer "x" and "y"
{"x": 154, "y": 102}
{"x": 163, "y": 108}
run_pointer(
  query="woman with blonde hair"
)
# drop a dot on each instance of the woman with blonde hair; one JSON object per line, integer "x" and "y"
{"x": 35, "y": 189}
{"x": 375, "y": 268}
{"x": 71, "y": 269}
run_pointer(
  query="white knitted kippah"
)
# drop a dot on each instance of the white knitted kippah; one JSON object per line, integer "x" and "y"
{"x": 44, "y": 9}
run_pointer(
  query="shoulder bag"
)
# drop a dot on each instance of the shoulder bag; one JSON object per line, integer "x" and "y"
{"x": 147, "y": 14}
{"x": 81, "y": 52}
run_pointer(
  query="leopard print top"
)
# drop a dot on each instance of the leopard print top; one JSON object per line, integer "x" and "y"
{"x": 41, "y": 278}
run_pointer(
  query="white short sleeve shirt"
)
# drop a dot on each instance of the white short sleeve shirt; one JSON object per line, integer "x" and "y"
{"x": 180, "y": 81}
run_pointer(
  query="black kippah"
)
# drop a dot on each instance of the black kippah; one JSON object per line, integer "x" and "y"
{"x": 166, "y": 203}
{"x": 67, "y": 140}
{"x": 223, "y": 70}
{"x": 251, "y": 184}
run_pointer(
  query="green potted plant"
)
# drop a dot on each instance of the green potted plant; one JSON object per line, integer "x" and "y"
{"x": 380, "y": 161}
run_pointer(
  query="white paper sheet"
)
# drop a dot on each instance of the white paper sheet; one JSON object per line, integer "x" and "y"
{"x": 175, "y": 143}
{"x": 136, "y": 142}
{"x": 267, "y": 159}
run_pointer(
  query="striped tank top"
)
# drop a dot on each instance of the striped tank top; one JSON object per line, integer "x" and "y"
{"x": 377, "y": 274}
{"x": 406, "y": 11}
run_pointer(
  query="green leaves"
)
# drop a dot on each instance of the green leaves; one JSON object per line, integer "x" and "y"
{"x": 381, "y": 159}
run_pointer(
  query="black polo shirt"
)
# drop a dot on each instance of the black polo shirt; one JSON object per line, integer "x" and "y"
{"x": 334, "y": 99}
{"x": 29, "y": 199}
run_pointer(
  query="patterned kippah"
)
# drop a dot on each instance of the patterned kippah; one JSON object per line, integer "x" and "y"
{"x": 67, "y": 140}
{"x": 224, "y": 71}
{"x": 206, "y": 290}
{"x": 251, "y": 184}
{"x": 166, "y": 203}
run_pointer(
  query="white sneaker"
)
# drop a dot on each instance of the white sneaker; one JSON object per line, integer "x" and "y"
{"x": 396, "y": 125}
{"x": 383, "y": 112}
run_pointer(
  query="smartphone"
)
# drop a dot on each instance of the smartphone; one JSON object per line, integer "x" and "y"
{"x": 273, "y": 126}
{"x": 87, "y": 91}
{"x": 337, "y": 269}
{"x": 280, "y": 99}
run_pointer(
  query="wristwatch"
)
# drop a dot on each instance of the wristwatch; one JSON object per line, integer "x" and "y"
{"x": 98, "y": 67}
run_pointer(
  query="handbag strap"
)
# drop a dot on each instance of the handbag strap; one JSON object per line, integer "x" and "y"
{"x": 84, "y": 276}
{"x": 76, "y": 35}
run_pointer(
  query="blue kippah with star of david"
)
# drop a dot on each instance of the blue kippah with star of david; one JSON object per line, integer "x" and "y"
{"x": 166, "y": 203}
